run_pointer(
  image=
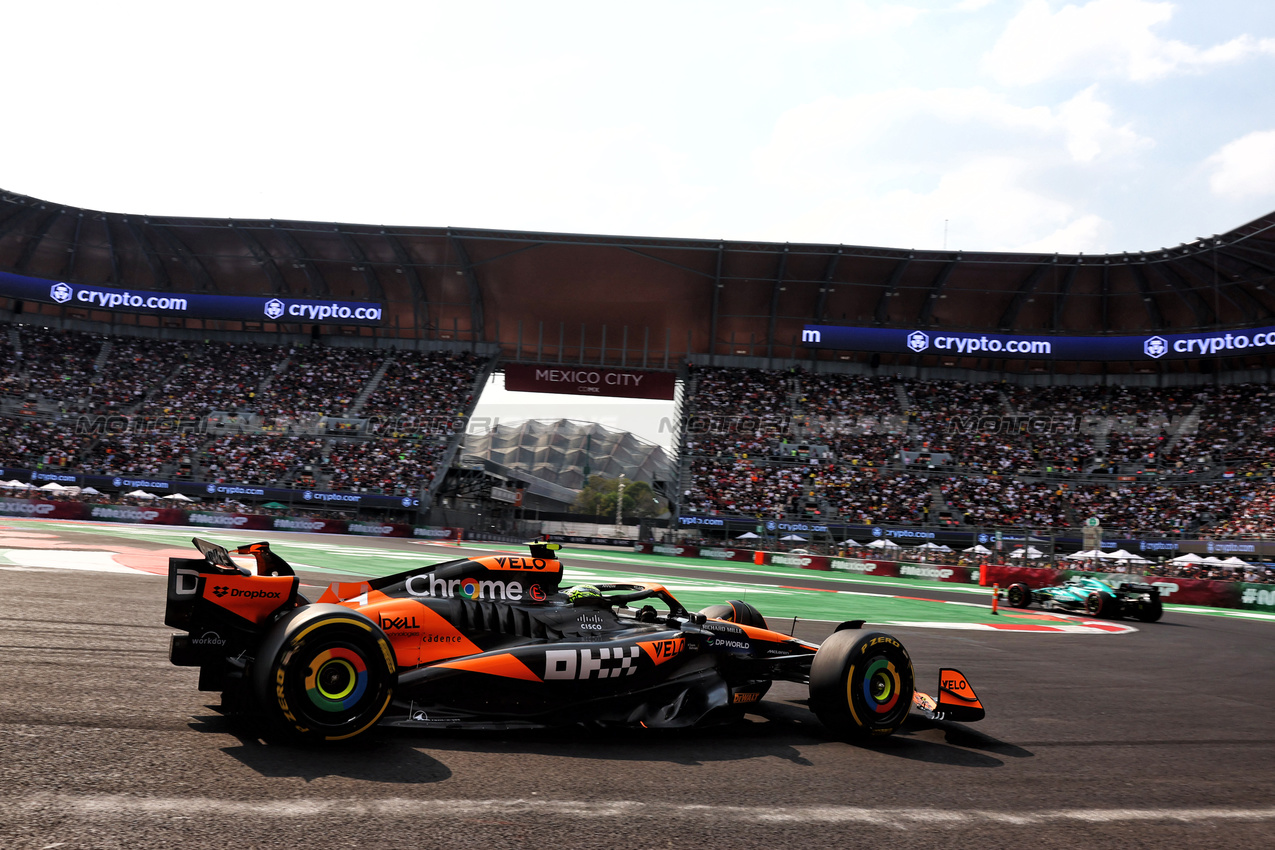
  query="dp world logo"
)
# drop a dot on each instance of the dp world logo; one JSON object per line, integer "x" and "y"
{"x": 1155, "y": 347}
{"x": 307, "y": 495}
{"x": 918, "y": 340}
{"x": 115, "y": 482}
{"x": 211, "y": 488}
{"x": 274, "y": 308}
{"x": 60, "y": 293}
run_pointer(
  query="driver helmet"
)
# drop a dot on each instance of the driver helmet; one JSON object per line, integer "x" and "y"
{"x": 585, "y": 594}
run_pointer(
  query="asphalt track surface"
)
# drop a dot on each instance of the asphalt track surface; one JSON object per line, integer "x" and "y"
{"x": 1163, "y": 736}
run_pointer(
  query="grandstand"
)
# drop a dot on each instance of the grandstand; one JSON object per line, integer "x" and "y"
{"x": 772, "y": 425}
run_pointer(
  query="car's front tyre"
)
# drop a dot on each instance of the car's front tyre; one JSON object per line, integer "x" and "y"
{"x": 861, "y": 685}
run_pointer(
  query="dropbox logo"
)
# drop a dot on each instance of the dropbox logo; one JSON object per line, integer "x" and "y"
{"x": 918, "y": 340}
{"x": 274, "y": 308}
{"x": 1155, "y": 347}
{"x": 60, "y": 293}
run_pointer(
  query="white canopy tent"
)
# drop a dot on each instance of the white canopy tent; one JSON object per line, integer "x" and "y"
{"x": 1031, "y": 553}
{"x": 884, "y": 544}
{"x": 748, "y": 535}
{"x": 52, "y": 486}
{"x": 141, "y": 494}
{"x": 792, "y": 537}
{"x": 978, "y": 549}
{"x": 178, "y": 497}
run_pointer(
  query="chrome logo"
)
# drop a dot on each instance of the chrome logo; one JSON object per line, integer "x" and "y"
{"x": 469, "y": 588}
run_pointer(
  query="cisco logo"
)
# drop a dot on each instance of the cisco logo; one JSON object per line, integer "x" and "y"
{"x": 1156, "y": 346}
{"x": 115, "y": 482}
{"x": 274, "y": 308}
{"x": 918, "y": 340}
{"x": 60, "y": 293}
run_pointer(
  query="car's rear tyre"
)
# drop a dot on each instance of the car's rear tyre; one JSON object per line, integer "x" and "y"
{"x": 325, "y": 673}
{"x": 861, "y": 685}
{"x": 1149, "y": 612}
{"x": 1018, "y": 595}
{"x": 735, "y": 611}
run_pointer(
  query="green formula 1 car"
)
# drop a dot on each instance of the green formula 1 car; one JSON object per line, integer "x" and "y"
{"x": 1092, "y": 596}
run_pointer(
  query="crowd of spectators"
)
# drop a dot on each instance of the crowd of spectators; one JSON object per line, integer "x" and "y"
{"x": 319, "y": 381}
{"x": 988, "y": 454}
{"x": 396, "y": 466}
{"x": 172, "y": 395}
{"x": 430, "y": 384}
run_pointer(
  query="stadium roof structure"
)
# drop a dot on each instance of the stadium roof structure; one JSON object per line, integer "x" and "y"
{"x": 566, "y": 452}
{"x": 643, "y": 302}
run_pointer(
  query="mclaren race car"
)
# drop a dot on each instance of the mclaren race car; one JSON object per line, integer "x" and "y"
{"x": 492, "y": 643}
{"x": 1093, "y": 597}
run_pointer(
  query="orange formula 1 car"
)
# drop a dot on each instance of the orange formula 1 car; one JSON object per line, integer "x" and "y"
{"x": 491, "y": 643}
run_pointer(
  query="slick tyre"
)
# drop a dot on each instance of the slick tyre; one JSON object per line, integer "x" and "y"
{"x": 1019, "y": 595}
{"x": 735, "y": 611}
{"x": 1149, "y": 612}
{"x": 861, "y": 684}
{"x": 1098, "y": 605}
{"x": 325, "y": 673}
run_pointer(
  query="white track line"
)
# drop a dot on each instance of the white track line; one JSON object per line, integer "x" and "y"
{"x": 120, "y": 806}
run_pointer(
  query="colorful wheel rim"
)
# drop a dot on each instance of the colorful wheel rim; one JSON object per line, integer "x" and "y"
{"x": 881, "y": 685}
{"x": 336, "y": 679}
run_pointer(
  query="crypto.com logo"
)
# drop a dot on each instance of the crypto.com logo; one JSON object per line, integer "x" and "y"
{"x": 274, "y": 308}
{"x": 918, "y": 340}
{"x": 60, "y": 293}
{"x": 1155, "y": 347}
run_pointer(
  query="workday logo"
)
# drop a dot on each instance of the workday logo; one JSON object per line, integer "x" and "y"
{"x": 918, "y": 340}
{"x": 274, "y": 308}
{"x": 60, "y": 293}
{"x": 1155, "y": 347}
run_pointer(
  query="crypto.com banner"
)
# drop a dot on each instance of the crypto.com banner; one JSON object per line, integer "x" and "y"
{"x": 1039, "y": 347}
{"x": 191, "y": 305}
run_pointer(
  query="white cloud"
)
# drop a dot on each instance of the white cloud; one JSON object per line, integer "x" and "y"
{"x": 972, "y": 5}
{"x": 854, "y": 19}
{"x": 1103, "y": 37}
{"x": 902, "y": 161}
{"x": 1244, "y": 168}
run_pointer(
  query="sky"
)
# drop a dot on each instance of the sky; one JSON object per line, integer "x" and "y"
{"x": 1015, "y": 125}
